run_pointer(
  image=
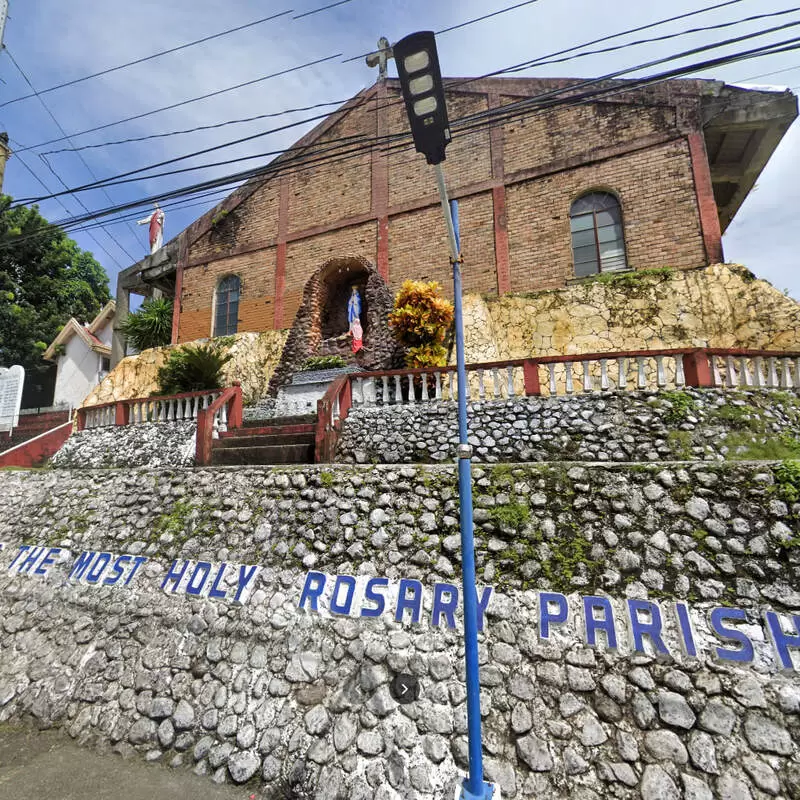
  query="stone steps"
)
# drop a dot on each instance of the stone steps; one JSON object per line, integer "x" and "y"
{"x": 270, "y": 454}
{"x": 284, "y": 440}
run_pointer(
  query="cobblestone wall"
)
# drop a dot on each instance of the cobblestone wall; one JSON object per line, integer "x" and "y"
{"x": 266, "y": 691}
{"x": 155, "y": 444}
{"x": 695, "y": 424}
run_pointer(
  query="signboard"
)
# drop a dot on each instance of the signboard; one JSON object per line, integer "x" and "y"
{"x": 11, "y": 381}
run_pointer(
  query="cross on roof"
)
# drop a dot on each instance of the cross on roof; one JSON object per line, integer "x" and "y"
{"x": 380, "y": 58}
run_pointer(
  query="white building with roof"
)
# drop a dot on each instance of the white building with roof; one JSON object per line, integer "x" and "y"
{"x": 82, "y": 352}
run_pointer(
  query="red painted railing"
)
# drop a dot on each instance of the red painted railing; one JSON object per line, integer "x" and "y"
{"x": 166, "y": 408}
{"x": 674, "y": 368}
{"x": 223, "y": 414}
{"x": 331, "y": 411}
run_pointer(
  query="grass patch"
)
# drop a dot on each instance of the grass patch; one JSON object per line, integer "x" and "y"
{"x": 511, "y": 515}
{"x": 740, "y": 417}
{"x": 680, "y": 443}
{"x": 745, "y": 446}
{"x": 326, "y": 479}
{"x": 633, "y": 278}
{"x": 681, "y": 405}
{"x": 787, "y": 480}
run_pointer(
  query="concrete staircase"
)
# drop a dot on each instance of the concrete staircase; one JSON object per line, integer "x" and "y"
{"x": 279, "y": 440}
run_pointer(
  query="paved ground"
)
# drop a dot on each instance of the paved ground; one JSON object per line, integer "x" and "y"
{"x": 47, "y": 765}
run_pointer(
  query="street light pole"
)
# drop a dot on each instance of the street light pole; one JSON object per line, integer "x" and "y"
{"x": 423, "y": 91}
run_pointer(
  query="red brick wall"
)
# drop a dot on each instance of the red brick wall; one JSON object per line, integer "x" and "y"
{"x": 659, "y": 213}
{"x": 541, "y": 163}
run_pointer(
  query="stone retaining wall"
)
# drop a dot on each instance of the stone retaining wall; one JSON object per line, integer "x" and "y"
{"x": 155, "y": 445}
{"x": 266, "y": 691}
{"x": 695, "y": 424}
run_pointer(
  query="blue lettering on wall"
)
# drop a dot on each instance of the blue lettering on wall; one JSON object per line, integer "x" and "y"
{"x": 371, "y": 596}
{"x": 81, "y": 565}
{"x": 312, "y": 590}
{"x": 174, "y": 574}
{"x": 781, "y": 640}
{"x": 246, "y": 576}
{"x": 48, "y": 560}
{"x": 687, "y": 636}
{"x": 744, "y": 653}
{"x": 409, "y": 596}
{"x": 198, "y": 578}
{"x": 214, "y": 591}
{"x": 96, "y": 570}
{"x": 646, "y": 627}
{"x": 442, "y": 608}
{"x": 341, "y": 603}
{"x": 604, "y": 623}
{"x": 549, "y": 617}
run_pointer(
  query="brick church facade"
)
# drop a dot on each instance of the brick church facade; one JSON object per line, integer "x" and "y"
{"x": 645, "y": 178}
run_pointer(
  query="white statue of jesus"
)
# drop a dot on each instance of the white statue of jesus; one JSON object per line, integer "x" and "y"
{"x": 156, "y": 223}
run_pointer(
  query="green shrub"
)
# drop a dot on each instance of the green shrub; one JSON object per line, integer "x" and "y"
{"x": 322, "y": 362}
{"x": 150, "y": 326}
{"x": 787, "y": 479}
{"x": 192, "y": 369}
{"x": 420, "y": 320}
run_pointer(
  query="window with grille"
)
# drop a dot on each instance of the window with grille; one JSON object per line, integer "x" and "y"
{"x": 226, "y": 315}
{"x": 598, "y": 242}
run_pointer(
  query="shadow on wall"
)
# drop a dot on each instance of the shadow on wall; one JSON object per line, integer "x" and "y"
{"x": 321, "y": 326}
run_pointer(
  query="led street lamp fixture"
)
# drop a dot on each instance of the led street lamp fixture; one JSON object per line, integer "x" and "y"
{"x": 423, "y": 92}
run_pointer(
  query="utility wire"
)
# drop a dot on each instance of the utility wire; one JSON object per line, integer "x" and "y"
{"x": 146, "y": 58}
{"x": 190, "y": 100}
{"x": 768, "y": 74}
{"x": 60, "y": 225}
{"x": 523, "y": 103}
{"x": 322, "y": 8}
{"x": 459, "y": 25}
{"x": 535, "y": 62}
{"x": 502, "y": 116}
{"x": 195, "y": 129}
{"x": 88, "y": 168}
{"x": 665, "y": 37}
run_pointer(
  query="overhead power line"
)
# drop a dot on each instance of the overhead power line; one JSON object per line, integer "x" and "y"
{"x": 535, "y": 62}
{"x": 685, "y": 54}
{"x": 460, "y": 25}
{"x": 547, "y": 100}
{"x": 665, "y": 37}
{"x": 190, "y": 100}
{"x": 195, "y": 129}
{"x": 142, "y": 60}
{"x": 322, "y": 8}
{"x": 58, "y": 177}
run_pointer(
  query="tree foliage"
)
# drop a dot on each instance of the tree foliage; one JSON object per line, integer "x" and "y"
{"x": 420, "y": 320}
{"x": 45, "y": 279}
{"x": 151, "y": 325}
{"x": 192, "y": 368}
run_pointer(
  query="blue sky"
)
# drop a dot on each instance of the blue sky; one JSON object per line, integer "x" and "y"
{"x": 54, "y": 41}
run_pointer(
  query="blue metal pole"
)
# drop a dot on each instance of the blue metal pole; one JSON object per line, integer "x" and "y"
{"x": 474, "y": 788}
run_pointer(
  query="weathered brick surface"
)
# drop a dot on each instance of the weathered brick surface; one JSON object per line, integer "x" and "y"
{"x": 545, "y": 160}
{"x": 257, "y": 274}
{"x": 659, "y": 211}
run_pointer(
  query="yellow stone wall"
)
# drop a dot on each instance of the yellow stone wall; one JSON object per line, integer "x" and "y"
{"x": 255, "y": 356}
{"x": 718, "y": 306}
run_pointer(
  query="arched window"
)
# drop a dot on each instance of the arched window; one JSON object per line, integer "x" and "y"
{"x": 226, "y": 313}
{"x": 598, "y": 242}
